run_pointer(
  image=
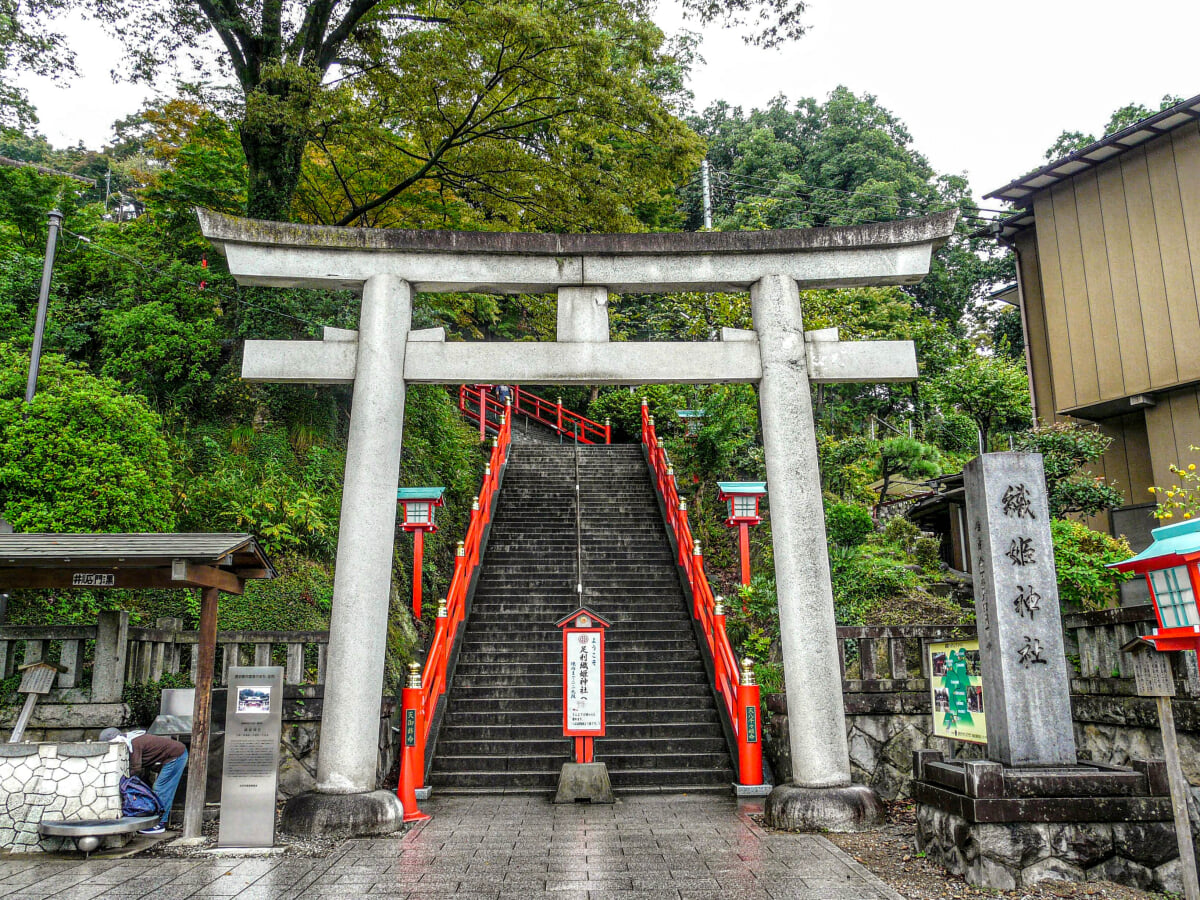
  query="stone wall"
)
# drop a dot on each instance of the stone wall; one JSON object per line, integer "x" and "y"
{"x": 73, "y": 780}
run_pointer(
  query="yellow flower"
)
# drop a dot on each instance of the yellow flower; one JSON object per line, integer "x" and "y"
{"x": 1167, "y": 515}
{"x": 1187, "y": 515}
{"x": 1170, "y": 494}
{"x": 1191, "y": 467}
{"x": 1152, "y": 490}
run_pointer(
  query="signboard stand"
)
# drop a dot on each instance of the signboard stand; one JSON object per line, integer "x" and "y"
{"x": 956, "y": 689}
{"x": 1153, "y": 677}
{"x": 253, "y": 722}
{"x": 583, "y": 707}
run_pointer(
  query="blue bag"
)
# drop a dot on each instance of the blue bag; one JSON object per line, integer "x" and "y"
{"x": 137, "y": 799}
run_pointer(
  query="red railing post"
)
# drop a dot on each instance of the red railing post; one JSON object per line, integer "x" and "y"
{"x": 559, "y": 425}
{"x": 681, "y": 529}
{"x": 749, "y": 745}
{"x": 607, "y": 430}
{"x": 719, "y": 658}
{"x": 697, "y": 574}
{"x": 412, "y": 761}
{"x": 482, "y": 413}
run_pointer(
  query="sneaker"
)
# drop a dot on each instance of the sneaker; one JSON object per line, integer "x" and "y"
{"x": 153, "y": 829}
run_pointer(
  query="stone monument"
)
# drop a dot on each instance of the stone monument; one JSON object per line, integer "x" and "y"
{"x": 1032, "y": 811}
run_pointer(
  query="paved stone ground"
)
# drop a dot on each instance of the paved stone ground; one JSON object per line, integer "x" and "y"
{"x": 493, "y": 847}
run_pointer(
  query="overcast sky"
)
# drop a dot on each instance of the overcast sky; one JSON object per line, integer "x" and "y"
{"x": 984, "y": 88}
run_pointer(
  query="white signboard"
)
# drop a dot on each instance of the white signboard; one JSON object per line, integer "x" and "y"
{"x": 583, "y": 683}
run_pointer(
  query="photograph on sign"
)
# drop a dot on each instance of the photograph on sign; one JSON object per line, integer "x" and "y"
{"x": 956, "y": 691}
{"x": 255, "y": 699}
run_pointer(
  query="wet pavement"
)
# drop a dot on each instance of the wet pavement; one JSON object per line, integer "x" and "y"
{"x": 666, "y": 847}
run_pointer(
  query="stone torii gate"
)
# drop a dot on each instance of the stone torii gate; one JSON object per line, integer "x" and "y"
{"x": 384, "y": 355}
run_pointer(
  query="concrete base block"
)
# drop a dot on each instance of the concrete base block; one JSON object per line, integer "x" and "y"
{"x": 314, "y": 814}
{"x": 584, "y": 781}
{"x": 423, "y": 793}
{"x": 854, "y": 807}
{"x": 752, "y": 790}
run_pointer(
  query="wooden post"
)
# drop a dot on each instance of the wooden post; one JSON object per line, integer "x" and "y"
{"x": 744, "y": 550}
{"x": 1179, "y": 795}
{"x": 193, "y": 810}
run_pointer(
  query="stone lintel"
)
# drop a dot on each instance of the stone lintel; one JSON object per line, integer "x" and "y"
{"x": 289, "y": 255}
{"x": 703, "y": 362}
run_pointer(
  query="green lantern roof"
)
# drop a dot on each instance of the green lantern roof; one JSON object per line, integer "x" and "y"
{"x": 420, "y": 493}
{"x": 742, "y": 487}
{"x": 1171, "y": 544}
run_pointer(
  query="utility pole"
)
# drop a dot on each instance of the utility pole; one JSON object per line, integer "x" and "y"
{"x": 707, "y": 189}
{"x": 39, "y": 330}
{"x": 107, "y": 189}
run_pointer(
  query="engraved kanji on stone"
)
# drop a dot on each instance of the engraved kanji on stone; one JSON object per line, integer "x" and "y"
{"x": 1031, "y": 653}
{"x": 1027, "y": 600}
{"x": 1017, "y": 502}
{"x": 1021, "y": 552}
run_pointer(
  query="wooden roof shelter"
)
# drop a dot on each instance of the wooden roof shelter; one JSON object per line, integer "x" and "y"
{"x": 209, "y": 562}
{"x": 224, "y": 561}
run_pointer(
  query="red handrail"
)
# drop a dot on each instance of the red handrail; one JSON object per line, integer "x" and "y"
{"x": 451, "y": 614}
{"x": 738, "y": 703}
{"x": 526, "y": 403}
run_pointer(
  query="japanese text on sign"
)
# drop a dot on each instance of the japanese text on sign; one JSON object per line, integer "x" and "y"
{"x": 584, "y": 701}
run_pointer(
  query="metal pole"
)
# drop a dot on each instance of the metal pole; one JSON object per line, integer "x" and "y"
{"x": 39, "y": 331}
{"x": 1179, "y": 795}
{"x": 707, "y": 188}
{"x": 197, "y": 783}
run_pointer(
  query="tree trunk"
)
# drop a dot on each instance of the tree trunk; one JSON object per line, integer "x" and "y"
{"x": 274, "y": 133}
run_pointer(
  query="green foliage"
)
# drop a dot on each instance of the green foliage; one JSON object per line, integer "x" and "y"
{"x": 1066, "y": 450}
{"x": 993, "y": 391}
{"x": 300, "y": 599}
{"x": 1130, "y": 113}
{"x": 1080, "y": 556}
{"x": 83, "y": 456}
{"x": 145, "y": 700}
{"x": 908, "y": 457}
{"x": 847, "y": 524}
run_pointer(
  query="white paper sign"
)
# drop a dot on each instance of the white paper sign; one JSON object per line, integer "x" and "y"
{"x": 583, "y": 687}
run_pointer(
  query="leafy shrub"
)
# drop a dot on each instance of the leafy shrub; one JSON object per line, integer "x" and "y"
{"x": 1080, "y": 555}
{"x": 847, "y": 524}
{"x": 863, "y": 576}
{"x": 927, "y": 551}
{"x": 83, "y": 456}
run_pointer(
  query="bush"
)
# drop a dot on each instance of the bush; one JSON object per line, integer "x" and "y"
{"x": 83, "y": 456}
{"x": 1080, "y": 556}
{"x": 847, "y": 524}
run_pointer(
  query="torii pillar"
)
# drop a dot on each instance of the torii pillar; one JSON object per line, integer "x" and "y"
{"x": 388, "y": 266}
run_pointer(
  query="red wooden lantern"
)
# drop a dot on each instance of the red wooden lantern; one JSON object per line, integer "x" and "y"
{"x": 1172, "y": 568}
{"x": 583, "y": 679}
{"x": 741, "y": 498}
{"x": 419, "y": 504}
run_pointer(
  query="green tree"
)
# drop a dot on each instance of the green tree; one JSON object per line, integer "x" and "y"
{"x": 1066, "y": 449}
{"x": 557, "y": 85}
{"x": 1070, "y": 141}
{"x": 992, "y": 390}
{"x": 908, "y": 457}
{"x": 83, "y": 456}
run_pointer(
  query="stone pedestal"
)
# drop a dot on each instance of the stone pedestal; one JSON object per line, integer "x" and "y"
{"x": 584, "y": 781}
{"x": 1011, "y": 827}
{"x": 317, "y": 814}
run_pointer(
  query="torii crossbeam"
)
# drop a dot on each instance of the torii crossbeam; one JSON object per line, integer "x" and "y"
{"x": 389, "y": 266}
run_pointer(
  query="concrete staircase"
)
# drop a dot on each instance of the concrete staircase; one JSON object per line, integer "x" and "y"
{"x": 503, "y": 725}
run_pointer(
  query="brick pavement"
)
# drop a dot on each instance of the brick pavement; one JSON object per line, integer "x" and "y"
{"x": 663, "y": 847}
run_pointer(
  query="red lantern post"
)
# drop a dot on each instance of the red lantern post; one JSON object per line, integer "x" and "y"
{"x": 419, "y": 505}
{"x": 742, "y": 498}
{"x": 583, "y": 680}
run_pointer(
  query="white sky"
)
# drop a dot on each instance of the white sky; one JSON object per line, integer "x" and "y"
{"x": 984, "y": 87}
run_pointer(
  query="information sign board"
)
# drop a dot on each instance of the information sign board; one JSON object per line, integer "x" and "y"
{"x": 253, "y": 723}
{"x": 956, "y": 691}
{"x": 1152, "y": 673}
{"x": 583, "y": 689}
